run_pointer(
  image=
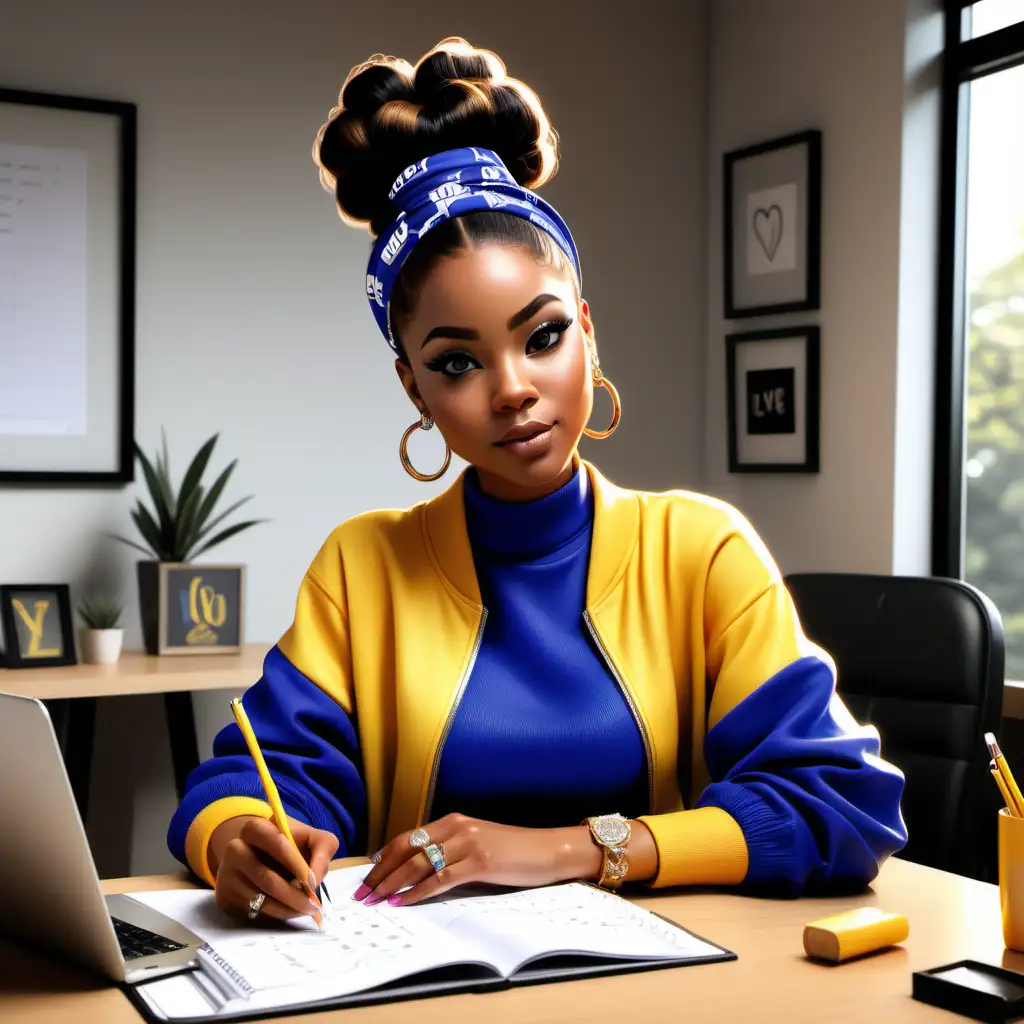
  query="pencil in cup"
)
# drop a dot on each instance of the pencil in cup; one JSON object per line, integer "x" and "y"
{"x": 273, "y": 798}
{"x": 1009, "y": 789}
{"x": 1007, "y": 799}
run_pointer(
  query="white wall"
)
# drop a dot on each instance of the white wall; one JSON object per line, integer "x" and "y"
{"x": 251, "y": 319}
{"x": 781, "y": 66}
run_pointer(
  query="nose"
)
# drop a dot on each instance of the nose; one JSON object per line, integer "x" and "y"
{"x": 513, "y": 387}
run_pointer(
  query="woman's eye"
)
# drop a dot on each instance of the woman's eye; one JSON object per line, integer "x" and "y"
{"x": 454, "y": 364}
{"x": 547, "y": 336}
{"x": 458, "y": 365}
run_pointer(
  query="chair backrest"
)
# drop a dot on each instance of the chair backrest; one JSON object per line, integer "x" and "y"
{"x": 921, "y": 658}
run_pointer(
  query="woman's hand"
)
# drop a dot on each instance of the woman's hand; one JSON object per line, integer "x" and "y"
{"x": 247, "y": 855}
{"x": 479, "y": 851}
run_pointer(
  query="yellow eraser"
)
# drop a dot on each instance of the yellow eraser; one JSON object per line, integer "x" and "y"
{"x": 851, "y": 934}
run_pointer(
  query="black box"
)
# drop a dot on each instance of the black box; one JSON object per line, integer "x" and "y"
{"x": 974, "y": 989}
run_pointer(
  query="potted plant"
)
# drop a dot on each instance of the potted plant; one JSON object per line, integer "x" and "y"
{"x": 102, "y": 637}
{"x": 181, "y": 611}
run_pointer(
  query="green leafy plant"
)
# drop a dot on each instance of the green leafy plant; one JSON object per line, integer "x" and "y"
{"x": 182, "y": 525}
{"x": 101, "y": 612}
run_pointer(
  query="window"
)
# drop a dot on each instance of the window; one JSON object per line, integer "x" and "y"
{"x": 979, "y": 493}
{"x": 987, "y": 16}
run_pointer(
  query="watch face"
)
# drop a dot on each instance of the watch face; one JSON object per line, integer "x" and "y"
{"x": 611, "y": 830}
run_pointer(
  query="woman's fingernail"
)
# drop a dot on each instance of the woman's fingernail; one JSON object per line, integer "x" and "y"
{"x": 376, "y": 898}
{"x": 395, "y": 900}
{"x": 313, "y": 908}
{"x": 312, "y": 880}
{"x": 362, "y": 892}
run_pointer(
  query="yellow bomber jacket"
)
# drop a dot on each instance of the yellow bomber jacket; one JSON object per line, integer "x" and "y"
{"x": 700, "y": 632}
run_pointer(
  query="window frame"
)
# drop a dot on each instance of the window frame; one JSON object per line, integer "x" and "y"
{"x": 964, "y": 61}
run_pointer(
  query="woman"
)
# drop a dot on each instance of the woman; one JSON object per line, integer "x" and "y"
{"x": 467, "y": 681}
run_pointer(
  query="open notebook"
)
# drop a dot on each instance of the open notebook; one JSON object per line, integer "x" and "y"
{"x": 382, "y": 954}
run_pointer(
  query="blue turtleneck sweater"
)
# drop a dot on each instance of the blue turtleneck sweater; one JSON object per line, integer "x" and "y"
{"x": 542, "y": 736}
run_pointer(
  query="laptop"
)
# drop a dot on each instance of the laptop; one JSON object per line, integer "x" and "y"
{"x": 50, "y": 895}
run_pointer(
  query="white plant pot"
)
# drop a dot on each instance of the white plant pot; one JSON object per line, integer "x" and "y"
{"x": 101, "y": 646}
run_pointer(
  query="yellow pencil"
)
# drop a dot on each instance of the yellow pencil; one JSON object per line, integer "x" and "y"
{"x": 1004, "y": 770}
{"x": 273, "y": 797}
{"x": 1006, "y": 793}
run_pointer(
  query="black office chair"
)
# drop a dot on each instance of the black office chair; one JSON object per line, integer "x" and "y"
{"x": 922, "y": 660}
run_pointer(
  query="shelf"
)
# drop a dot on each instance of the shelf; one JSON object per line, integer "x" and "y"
{"x": 138, "y": 672}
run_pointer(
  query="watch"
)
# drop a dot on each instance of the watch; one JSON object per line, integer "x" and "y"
{"x": 611, "y": 832}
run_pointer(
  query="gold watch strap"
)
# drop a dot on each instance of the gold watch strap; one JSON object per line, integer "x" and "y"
{"x": 615, "y": 861}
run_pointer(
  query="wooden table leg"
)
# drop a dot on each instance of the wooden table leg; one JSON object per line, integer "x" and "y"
{"x": 181, "y": 728}
{"x": 74, "y": 722}
{"x": 58, "y": 712}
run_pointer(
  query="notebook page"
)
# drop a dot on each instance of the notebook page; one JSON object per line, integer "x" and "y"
{"x": 514, "y": 928}
{"x": 267, "y": 967}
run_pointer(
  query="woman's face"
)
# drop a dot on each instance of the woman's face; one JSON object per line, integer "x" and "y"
{"x": 498, "y": 356}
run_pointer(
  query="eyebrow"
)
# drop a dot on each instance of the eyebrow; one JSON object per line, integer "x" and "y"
{"x": 514, "y": 321}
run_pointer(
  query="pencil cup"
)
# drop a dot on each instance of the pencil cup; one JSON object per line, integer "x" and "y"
{"x": 1011, "y": 879}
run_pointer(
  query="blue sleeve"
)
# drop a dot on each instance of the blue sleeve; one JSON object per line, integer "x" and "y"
{"x": 311, "y": 748}
{"x": 817, "y": 805}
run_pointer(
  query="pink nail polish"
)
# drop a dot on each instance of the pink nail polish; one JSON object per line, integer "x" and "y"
{"x": 362, "y": 892}
{"x": 373, "y": 900}
{"x": 395, "y": 900}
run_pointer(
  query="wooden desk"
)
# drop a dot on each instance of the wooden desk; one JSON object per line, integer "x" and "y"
{"x": 951, "y": 918}
{"x": 137, "y": 672}
{"x": 71, "y": 693}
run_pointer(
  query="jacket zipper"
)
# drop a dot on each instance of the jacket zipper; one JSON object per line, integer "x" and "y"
{"x": 632, "y": 707}
{"x": 460, "y": 690}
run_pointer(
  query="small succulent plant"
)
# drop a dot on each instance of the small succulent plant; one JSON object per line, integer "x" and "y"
{"x": 101, "y": 612}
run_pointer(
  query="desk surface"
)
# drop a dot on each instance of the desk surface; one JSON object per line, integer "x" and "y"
{"x": 951, "y": 918}
{"x": 137, "y": 672}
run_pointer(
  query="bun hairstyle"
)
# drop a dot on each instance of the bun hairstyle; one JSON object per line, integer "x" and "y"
{"x": 391, "y": 114}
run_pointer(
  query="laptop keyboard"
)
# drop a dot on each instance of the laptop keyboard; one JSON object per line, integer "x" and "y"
{"x": 136, "y": 942}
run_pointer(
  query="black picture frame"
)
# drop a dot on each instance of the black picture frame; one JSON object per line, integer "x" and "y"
{"x": 123, "y": 470}
{"x": 808, "y": 397}
{"x": 16, "y": 653}
{"x": 797, "y": 292}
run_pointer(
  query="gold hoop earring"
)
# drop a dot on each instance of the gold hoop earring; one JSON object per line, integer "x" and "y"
{"x": 601, "y": 381}
{"x": 425, "y": 422}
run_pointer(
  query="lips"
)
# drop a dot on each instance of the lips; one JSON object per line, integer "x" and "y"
{"x": 523, "y": 432}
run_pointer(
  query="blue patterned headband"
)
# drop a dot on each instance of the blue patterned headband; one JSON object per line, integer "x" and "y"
{"x": 446, "y": 185}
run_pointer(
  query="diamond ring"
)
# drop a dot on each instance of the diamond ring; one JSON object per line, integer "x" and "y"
{"x": 435, "y": 851}
{"x": 419, "y": 838}
{"x": 256, "y": 904}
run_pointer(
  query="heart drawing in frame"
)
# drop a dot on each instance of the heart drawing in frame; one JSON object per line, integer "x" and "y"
{"x": 768, "y": 229}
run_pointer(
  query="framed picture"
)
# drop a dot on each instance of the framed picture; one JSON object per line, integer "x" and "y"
{"x": 772, "y": 389}
{"x": 772, "y": 242}
{"x": 36, "y": 620}
{"x": 199, "y": 608}
{"x": 67, "y": 289}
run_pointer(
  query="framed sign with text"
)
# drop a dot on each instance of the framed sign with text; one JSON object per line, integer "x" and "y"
{"x": 67, "y": 289}
{"x": 192, "y": 609}
{"x": 772, "y": 398}
{"x": 36, "y": 621}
